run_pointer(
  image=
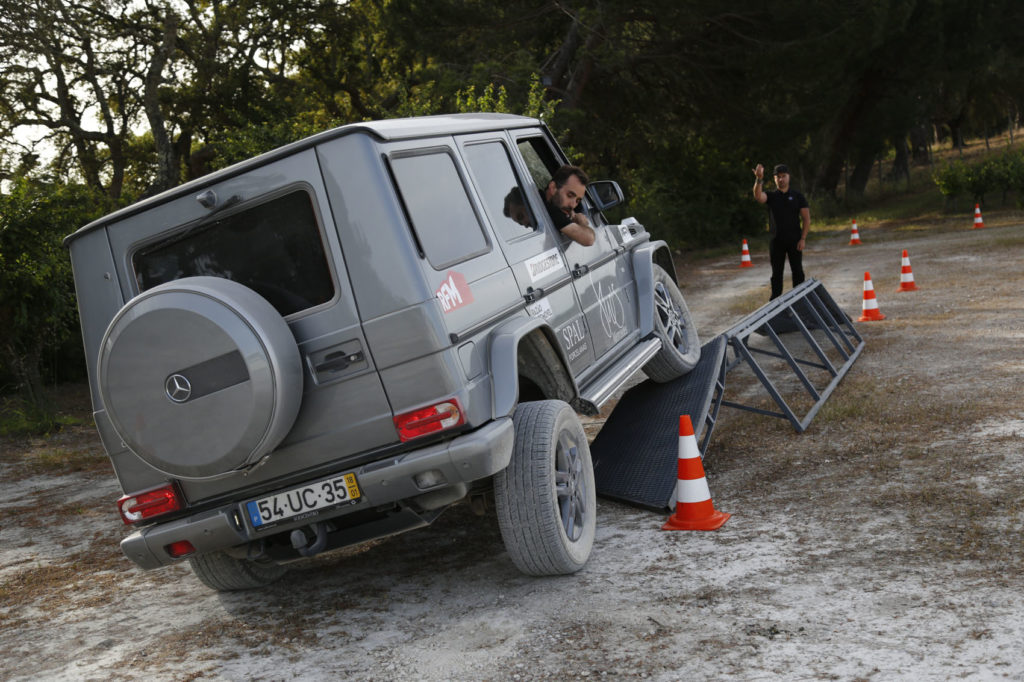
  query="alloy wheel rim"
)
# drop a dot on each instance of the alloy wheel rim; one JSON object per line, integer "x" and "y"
{"x": 672, "y": 319}
{"x": 570, "y": 487}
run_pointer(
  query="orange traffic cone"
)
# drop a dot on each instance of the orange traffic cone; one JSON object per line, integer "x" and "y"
{"x": 870, "y": 310}
{"x": 906, "y": 276}
{"x": 745, "y": 258}
{"x": 854, "y": 235}
{"x": 978, "y": 222}
{"x": 694, "y": 509}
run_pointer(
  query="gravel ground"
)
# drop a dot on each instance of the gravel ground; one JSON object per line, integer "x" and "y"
{"x": 883, "y": 543}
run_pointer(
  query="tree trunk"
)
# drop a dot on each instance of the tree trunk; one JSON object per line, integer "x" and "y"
{"x": 168, "y": 173}
{"x": 901, "y": 164}
{"x": 861, "y": 172}
{"x": 30, "y": 380}
{"x": 919, "y": 141}
{"x": 581, "y": 74}
{"x": 558, "y": 75}
{"x": 839, "y": 136}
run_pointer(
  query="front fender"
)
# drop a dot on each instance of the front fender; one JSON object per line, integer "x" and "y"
{"x": 643, "y": 271}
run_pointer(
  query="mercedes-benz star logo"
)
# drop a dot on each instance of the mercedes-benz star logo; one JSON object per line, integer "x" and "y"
{"x": 178, "y": 388}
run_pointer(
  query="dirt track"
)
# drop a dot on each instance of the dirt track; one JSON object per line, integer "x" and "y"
{"x": 884, "y": 543}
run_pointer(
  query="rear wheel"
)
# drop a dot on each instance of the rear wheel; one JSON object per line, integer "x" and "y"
{"x": 546, "y": 500}
{"x": 680, "y": 347}
{"x": 225, "y": 573}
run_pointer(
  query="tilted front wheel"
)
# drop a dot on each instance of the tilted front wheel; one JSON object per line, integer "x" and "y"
{"x": 546, "y": 500}
{"x": 680, "y": 347}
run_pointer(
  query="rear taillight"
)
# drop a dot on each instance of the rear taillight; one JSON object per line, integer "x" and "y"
{"x": 428, "y": 420}
{"x": 149, "y": 503}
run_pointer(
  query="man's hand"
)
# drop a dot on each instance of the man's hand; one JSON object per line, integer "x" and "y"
{"x": 758, "y": 189}
{"x": 580, "y": 219}
{"x": 579, "y": 229}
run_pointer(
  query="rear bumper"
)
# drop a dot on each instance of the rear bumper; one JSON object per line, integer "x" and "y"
{"x": 465, "y": 459}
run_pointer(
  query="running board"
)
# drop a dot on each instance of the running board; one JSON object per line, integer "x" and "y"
{"x": 608, "y": 382}
{"x": 814, "y": 359}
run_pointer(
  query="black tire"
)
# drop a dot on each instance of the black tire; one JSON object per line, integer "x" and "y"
{"x": 546, "y": 499}
{"x": 680, "y": 347}
{"x": 225, "y": 573}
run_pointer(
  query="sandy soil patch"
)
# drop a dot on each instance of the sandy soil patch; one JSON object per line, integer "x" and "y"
{"x": 883, "y": 543}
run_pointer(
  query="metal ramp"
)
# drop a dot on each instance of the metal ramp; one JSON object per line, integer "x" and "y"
{"x": 826, "y": 348}
{"x": 799, "y": 346}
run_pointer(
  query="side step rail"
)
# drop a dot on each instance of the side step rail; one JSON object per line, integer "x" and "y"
{"x": 805, "y": 309}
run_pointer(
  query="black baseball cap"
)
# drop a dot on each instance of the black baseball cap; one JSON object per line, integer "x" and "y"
{"x": 781, "y": 168}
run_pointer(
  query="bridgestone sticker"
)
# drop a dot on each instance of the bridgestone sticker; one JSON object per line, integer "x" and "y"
{"x": 542, "y": 265}
{"x": 454, "y": 292}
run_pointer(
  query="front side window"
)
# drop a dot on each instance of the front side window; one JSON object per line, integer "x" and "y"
{"x": 542, "y": 164}
{"x": 539, "y": 160}
{"x": 274, "y": 248}
{"x": 504, "y": 198}
{"x": 438, "y": 207}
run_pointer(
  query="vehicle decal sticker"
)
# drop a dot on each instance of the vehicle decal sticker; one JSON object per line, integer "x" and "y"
{"x": 541, "y": 308}
{"x": 543, "y": 264}
{"x": 454, "y": 292}
{"x": 574, "y": 338}
{"x": 624, "y": 229}
{"x": 613, "y": 313}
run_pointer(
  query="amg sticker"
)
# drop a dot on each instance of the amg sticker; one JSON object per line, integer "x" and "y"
{"x": 454, "y": 292}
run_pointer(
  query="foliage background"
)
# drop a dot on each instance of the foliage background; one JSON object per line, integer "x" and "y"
{"x": 104, "y": 102}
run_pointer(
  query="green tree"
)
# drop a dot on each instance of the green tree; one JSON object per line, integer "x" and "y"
{"x": 37, "y": 303}
{"x": 183, "y": 71}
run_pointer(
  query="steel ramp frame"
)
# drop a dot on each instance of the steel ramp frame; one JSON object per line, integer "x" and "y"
{"x": 806, "y": 307}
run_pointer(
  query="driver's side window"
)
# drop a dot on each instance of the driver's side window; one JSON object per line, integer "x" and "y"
{"x": 542, "y": 164}
{"x": 541, "y": 168}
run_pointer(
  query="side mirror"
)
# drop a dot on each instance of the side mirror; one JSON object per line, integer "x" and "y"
{"x": 605, "y": 194}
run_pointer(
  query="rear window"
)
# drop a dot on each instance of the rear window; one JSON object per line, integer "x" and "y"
{"x": 439, "y": 208}
{"x": 274, "y": 248}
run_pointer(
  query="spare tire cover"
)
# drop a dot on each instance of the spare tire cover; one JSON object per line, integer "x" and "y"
{"x": 200, "y": 376}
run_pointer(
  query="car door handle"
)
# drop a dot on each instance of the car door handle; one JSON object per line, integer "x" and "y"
{"x": 338, "y": 361}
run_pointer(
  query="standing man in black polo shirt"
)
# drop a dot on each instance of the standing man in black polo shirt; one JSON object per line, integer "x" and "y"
{"x": 789, "y": 219}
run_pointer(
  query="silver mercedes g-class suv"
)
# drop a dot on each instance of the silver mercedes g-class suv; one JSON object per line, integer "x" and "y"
{"x": 335, "y": 341}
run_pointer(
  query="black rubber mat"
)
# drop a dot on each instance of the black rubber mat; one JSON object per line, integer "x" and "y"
{"x": 635, "y": 454}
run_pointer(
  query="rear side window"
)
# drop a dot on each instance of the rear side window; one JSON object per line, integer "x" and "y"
{"x": 504, "y": 198}
{"x": 439, "y": 208}
{"x": 274, "y": 248}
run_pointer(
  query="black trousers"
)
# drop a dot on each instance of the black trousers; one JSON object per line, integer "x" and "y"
{"x": 778, "y": 250}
